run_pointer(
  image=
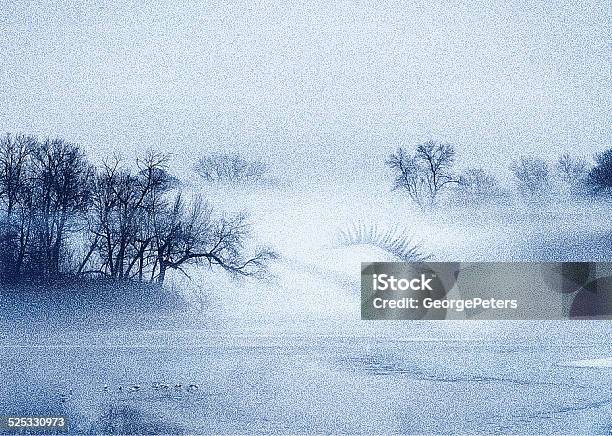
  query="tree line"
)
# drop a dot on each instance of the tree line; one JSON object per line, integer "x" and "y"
{"x": 429, "y": 174}
{"x": 62, "y": 216}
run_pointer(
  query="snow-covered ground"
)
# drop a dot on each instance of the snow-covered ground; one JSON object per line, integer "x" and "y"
{"x": 289, "y": 354}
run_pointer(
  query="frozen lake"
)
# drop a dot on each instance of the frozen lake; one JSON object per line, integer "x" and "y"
{"x": 471, "y": 377}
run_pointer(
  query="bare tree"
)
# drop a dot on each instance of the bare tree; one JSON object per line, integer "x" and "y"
{"x": 134, "y": 223}
{"x": 141, "y": 227}
{"x": 16, "y": 199}
{"x": 44, "y": 190}
{"x": 475, "y": 185}
{"x": 61, "y": 190}
{"x": 573, "y": 173}
{"x": 600, "y": 176}
{"x": 14, "y": 154}
{"x": 122, "y": 217}
{"x": 532, "y": 176}
{"x": 192, "y": 236}
{"x": 425, "y": 175}
{"x": 230, "y": 168}
{"x": 408, "y": 175}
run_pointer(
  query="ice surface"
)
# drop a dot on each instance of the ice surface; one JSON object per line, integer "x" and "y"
{"x": 294, "y": 383}
{"x": 605, "y": 362}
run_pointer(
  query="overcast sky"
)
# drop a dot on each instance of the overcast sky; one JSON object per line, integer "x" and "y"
{"x": 330, "y": 84}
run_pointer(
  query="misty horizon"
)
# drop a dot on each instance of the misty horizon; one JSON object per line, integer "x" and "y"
{"x": 337, "y": 87}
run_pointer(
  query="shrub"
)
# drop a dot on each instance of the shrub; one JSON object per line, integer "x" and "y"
{"x": 600, "y": 176}
{"x": 573, "y": 173}
{"x": 532, "y": 176}
{"x": 475, "y": 185}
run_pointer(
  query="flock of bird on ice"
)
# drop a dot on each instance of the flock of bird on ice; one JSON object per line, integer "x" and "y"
{"x": 137, "y": 388}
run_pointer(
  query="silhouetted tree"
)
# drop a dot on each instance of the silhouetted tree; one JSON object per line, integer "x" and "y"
{"x": 60, "y": 189}
{"x": 573, "y": 173}
{"x": 133, "y": 221}
{"x": 425, "y": 174}
{"x": 16, "y": 201}
{"x": 140, "y": 227}
{"x": 44, "y": 189}
{"x": 230, "y": 168}
{"x": 192, "y": 236}
{"x": 532, "y": 176}
{"x": 600, "y": 176}
{"x": 475, "y": 185}
{"x": 125, "y": 205}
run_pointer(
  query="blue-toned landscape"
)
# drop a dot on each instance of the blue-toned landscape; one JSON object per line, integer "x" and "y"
{"x": 188, "y": 191}
{"x": 406, "y": 378}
